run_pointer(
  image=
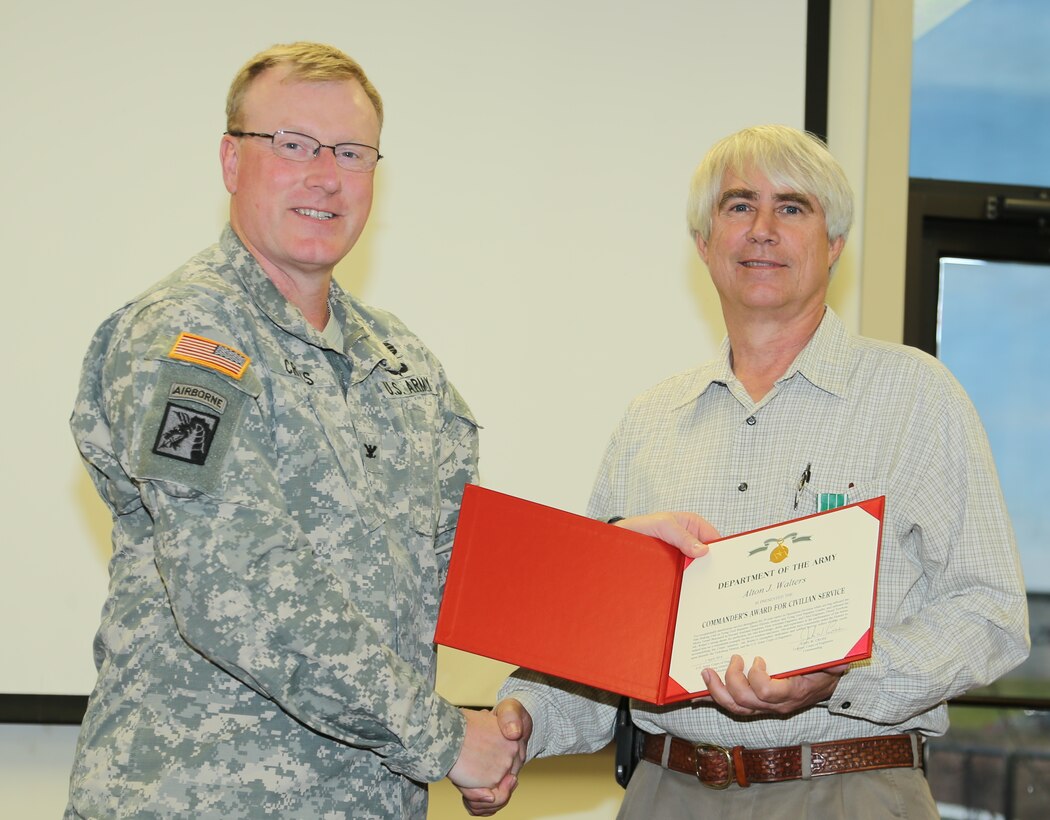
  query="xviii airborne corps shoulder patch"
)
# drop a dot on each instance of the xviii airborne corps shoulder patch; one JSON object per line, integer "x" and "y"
{"x": 185, "y": 435}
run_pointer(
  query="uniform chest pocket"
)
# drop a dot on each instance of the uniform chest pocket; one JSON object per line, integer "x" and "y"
{"x": 399, "y": 449}
{"x": 296, "y": 430}
{"x": 315, "y": 451}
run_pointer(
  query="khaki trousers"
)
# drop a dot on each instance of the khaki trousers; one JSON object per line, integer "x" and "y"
{"x": 655, "y": 793}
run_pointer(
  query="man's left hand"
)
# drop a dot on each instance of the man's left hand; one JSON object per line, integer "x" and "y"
{"x": 756, "y": 693}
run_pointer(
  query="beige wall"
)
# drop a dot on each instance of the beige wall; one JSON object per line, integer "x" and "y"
{"x": 868, "y": 131}
{"x": 528, "y": 224}
{"x": 886, "y": 194}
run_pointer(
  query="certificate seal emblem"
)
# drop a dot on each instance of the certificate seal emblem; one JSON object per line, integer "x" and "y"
{"x": 779, "y": 553}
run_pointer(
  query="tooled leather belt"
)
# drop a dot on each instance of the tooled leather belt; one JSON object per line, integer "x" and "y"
{"x": 718, "y": 766}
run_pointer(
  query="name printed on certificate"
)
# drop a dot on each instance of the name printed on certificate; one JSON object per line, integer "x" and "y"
{"x": 800, "y": 595}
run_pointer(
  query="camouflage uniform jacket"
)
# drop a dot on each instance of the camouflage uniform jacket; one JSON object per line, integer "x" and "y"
{"x": 283, "y": 514}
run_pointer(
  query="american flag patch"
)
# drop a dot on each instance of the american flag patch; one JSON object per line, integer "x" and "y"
{"x": 198, "y": 350}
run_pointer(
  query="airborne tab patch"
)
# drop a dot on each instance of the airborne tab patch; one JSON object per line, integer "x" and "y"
{"x": 198, "y": 350}
{"x": 193, "y": 392}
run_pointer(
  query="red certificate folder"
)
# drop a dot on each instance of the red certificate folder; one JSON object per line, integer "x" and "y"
{"x": 572, "y": 597}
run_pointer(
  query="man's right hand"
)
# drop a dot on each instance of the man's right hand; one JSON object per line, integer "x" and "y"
{"x": 515, "y": 725}
{"x": 487, "y": 757}
{"x": 684, "y": 530}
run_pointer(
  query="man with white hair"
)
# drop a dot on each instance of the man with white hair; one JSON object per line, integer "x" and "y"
{"x": 795, "y": 415}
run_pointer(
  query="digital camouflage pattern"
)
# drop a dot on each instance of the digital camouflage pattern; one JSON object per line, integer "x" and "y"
{"x": 283, "y": 515}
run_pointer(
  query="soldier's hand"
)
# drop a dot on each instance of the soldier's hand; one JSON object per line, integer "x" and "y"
{"x": 515, "y": 724}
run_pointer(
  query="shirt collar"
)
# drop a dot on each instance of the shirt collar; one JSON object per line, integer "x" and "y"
{"x": 697, "y": 382}
{"x": 825, "y": 362}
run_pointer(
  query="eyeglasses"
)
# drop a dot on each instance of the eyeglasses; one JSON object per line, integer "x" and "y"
{"x": 353, "y": 156}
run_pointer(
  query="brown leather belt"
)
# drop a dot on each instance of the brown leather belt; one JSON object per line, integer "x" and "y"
{"x": 717, "y": 766}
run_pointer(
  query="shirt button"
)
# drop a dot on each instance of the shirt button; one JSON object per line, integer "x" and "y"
{"x": 751, "y": 420}
{"x": 742, "y": 486}
{"x": 846, "y": 704}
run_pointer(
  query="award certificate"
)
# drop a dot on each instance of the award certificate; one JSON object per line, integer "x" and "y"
{"x": 627, "y": 613}
{"x": 800, "y": 595}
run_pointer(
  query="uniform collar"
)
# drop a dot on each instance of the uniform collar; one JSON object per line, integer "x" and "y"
{"x": 261, "y": 289}
{"x": 360, "y": 341}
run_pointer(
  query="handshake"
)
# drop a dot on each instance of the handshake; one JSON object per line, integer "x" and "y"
{"x": 496, "y": 742}
{"x": 493, "y": 753}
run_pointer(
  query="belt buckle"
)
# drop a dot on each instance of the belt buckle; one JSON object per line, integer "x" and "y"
{"x": 709, "y": 747}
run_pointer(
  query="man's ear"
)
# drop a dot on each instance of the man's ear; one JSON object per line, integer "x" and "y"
{"x": 229, "y": 155}
{"x": 835, "y": 250}
{"x": 701, "y": 247}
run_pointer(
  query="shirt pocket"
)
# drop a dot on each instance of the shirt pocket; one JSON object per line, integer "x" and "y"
{"x": 830, "y": 494}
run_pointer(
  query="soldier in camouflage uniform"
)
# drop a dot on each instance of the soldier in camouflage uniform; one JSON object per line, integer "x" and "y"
{"x": 284, "y": 467}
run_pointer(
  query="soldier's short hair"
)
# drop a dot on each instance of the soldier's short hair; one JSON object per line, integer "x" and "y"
{"x": 308, "y": 62}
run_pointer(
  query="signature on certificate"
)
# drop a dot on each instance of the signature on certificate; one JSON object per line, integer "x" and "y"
{"x": 815, "y": 635}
